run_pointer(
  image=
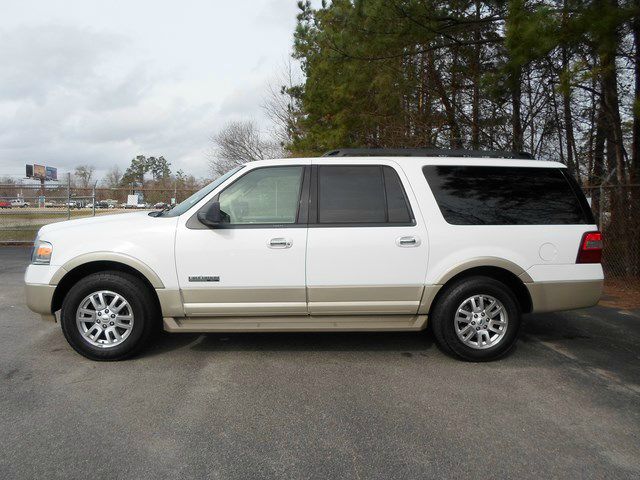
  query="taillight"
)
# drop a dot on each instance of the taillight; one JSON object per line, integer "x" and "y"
{"x": 590, "y": 248}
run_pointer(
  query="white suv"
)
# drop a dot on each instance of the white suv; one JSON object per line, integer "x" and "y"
{"x": 355, "y": 241}
{"x": 20, "y": 203}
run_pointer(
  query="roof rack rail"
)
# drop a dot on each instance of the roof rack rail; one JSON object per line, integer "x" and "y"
{"x": 425, "y": 152}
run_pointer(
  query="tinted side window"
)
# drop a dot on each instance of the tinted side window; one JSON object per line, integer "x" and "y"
{"x": 351, "y": 194}
{"x": 397, "y": 203}
{"x": 360, "y": 194}
{"x": 469, "y": 195}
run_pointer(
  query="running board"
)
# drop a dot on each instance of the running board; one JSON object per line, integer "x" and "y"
{"x": 317, "y": 323}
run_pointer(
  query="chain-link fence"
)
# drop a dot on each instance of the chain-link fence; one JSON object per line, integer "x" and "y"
{"x": 617, "y": 212}
{"x": 24, "y": 209}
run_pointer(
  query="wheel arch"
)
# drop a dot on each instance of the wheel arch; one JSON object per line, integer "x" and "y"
{"x": 504, "y": 271}
{"x": 80, "y": 267}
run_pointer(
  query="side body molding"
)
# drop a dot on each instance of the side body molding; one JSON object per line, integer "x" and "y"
{"x": 128, "y": 260}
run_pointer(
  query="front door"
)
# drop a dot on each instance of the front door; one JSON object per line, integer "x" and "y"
{"x": 366, "y": 249}
{"x": 254, "y": 264}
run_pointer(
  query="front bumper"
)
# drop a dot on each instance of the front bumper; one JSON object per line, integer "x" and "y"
{"x": 39, "y": 299}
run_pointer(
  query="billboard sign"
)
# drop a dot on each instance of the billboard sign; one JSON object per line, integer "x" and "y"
{"x": 39, "y": 171}
{"x": 51, "y": 173}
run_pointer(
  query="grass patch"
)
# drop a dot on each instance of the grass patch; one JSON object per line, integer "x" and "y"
{"x": 19, "y": 235}
{"x": 17, "y": 225}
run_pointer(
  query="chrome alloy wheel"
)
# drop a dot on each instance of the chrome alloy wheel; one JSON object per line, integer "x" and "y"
{"x": 104, "y": 319}
{"x": 481, "y": 321}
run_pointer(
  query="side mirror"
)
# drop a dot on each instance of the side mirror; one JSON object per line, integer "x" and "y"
{"x": 212, "y": 217}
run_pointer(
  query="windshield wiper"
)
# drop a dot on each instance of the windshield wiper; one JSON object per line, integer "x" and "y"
{"x": 158, "y": 213}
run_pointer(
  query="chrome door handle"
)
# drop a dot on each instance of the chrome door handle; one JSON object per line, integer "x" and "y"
{"x": 408, "y": 241}
{"x": 280, "y": 243}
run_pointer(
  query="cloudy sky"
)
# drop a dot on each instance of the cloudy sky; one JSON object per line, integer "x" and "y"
{"x": 98, "y": 82}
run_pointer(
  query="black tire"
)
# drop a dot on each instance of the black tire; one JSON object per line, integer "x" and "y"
{"x": 139, "y": 297}
{"x": 443, "y": 314}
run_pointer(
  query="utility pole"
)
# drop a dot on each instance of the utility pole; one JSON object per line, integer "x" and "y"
{"x": 93, "y": 198}
{"x": 68, "y": 195}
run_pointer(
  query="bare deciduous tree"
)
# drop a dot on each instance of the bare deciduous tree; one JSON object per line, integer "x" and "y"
{"x": 239, "y": 142}
{"x": 84, "y": 174}
{"x": 282, "y": 105}
{"x": 113, "y": 177}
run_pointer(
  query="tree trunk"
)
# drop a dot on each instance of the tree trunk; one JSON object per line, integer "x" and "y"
{"x": 608, "y": 50}
{"x": 598, "y": 161}
{"x": 531, "y": 120}
{"x": 559, "y": 131}
{"x": 475, "y": 79}
{"x": 456, "y": 133}
{"x": 516, "y": 120}
{"x": 572, "y": 163}
{"x": 635, "y": 160}
{"x": 612, "y": 111}
{"x": 426, "y": 100}
{"x": 449, "y": 108}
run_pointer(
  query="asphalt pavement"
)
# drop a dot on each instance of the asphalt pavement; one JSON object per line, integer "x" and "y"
{"x": 564, "y": 404}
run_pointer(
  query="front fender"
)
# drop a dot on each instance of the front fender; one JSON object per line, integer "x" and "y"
{"x": 104, "y": 256}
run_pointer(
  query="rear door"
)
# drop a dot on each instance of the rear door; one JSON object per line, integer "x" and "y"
{"x": 367, "y": 246}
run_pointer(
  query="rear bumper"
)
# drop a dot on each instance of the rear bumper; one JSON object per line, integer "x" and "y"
{"x": 564, "y": 295}
{"x": 39, "y": 299}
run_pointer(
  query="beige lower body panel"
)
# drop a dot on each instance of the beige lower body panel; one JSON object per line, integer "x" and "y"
{"x": 233, "y": 301}
{"x": 370, "y": 308}
{"x": 170, "y": 302}
{"x": 290, "y": 301}
{"x": 364, "y": 300}
{"x": 308, "y": 323}
{"x": 249, "y": 309}
{"x": 428, "y": 296}
{"x": 566, "y": 295}
{"x": 364, "y": 308}
{"x": 39, "y": 298}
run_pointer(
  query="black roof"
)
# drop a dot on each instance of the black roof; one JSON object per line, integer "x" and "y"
{"x": 425, "y": 152}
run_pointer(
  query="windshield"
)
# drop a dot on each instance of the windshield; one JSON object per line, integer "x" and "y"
{"x": 199, "y": 195}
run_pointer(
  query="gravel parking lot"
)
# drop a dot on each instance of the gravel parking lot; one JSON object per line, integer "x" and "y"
{"x": 564, "y": 404}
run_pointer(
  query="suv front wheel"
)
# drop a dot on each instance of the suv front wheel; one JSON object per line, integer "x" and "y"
{"x": 108, "y": 316}
{"x": 476, "y": 318}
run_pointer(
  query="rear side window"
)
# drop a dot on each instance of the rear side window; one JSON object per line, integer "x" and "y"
{"x": 396, "y": 199}
{"x": 361, "y": 194}
{"x": 470, "y": 195}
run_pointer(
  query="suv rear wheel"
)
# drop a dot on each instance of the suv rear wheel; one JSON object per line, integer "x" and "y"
{"x": 108, "y": 316}
{"x": 476, "y": 318}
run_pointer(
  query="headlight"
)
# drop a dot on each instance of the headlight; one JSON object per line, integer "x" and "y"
{"x": 41, "y": 253}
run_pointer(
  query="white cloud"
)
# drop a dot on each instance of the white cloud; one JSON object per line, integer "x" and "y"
{"x": 93, "y": 85}
{"x": 38, "y": 62}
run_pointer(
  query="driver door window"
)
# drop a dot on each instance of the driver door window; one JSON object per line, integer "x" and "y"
{"x": 267, "y": 195}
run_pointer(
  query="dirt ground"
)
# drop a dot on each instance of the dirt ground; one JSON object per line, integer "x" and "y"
{"x": 621, "y": 294}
